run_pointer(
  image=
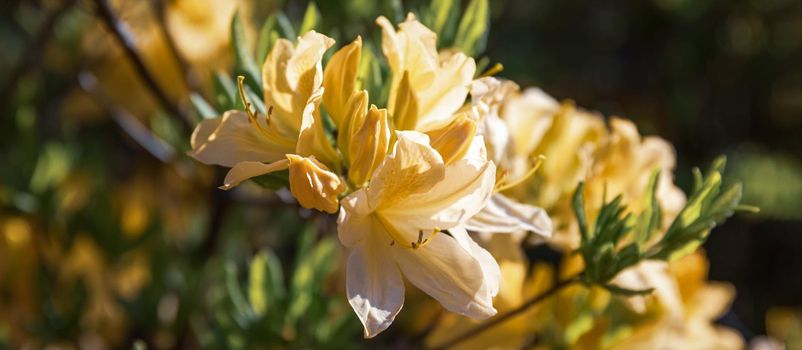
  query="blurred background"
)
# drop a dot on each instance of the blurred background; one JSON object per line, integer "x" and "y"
{"x": 111, "y": 237}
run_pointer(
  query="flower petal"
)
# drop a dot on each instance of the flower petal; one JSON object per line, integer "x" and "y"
{"x": 233, "y": 140}
{"x": 374, "y": 286}
{"x": 448, "y": 273}
{"x": 353, "y": 222}
{"x": 504, "y": 215}
{"x": 312, "y": 140}
{"x": 463, "y": 192}
{"x": 290, "y": 75}
{"x": 412, "y": 167}
{"x": 490, "y": 267}
{"x": 246, "y": 170}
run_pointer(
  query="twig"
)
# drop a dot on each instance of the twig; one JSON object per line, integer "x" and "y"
{"x": 130, "y": 125}
{"x": 506, "y": 316}
{"x": 30, "y": 58}
{"x": 218, "y": 207}
{"x": 126, "y": 40}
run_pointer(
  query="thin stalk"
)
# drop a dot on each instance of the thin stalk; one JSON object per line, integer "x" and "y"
{"x": 478, "y": 329}
{"x": 127, "y": 41}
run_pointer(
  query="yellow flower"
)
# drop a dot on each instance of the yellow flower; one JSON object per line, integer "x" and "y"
{"x": 502, "y": 214}
{"x": 515, "y": 286}
{"x": 313, "y": 184}
{"x": 368, "y": 146}
{"x": 392, "y": 228}
{"x": 339, "y": 79}
{"x": 292, "y": 80}
{"x": 427, "y": 87}
{"x": 692, "y": 326}
{"x": 290, "y": 136}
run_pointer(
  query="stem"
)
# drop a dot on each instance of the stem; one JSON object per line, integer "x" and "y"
{"x": 506, "y": 316}
{"x": 126, "y": 40}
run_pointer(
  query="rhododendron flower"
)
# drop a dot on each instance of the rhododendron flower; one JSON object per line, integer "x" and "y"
{"x": 408, "y": 221}
{"x": 427, "y": 87}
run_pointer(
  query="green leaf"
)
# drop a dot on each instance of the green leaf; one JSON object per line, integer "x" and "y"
{"x": 313, "y": 265}
{"x": 286, "y": 29}
{"x": 312, "y": 18}
{"x": 244, "y": 63}
{"x": 441, "y": 17}
{"x": 473, "y": 28}
{"x": 242, "y": 311}
{"x": 650, "y": 219}
{"x": 627, "y": 292}
{"x": 203, "y": 108}
{"x": 265, "y": 282}
{"x": 578, "y": 204}
{"x": 274, "y": 180}
{"x": 370, "y": 75}
{"x": 225, "y": 92}
{"x": 267, "y": 38}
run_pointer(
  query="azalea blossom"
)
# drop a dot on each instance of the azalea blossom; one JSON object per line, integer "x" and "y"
{"x": 503, "y": 214}
{"x": 290, "y": 135}
{"x": 408, "y": 221}
{"x": 427, "y": 87}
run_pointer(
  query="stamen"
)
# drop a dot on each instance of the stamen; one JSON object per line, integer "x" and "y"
{"x": 398, "y": 237}
{"x": 251, "y": 115}
{"x": 501, "y": 186}
{"x": 495, "y": 69}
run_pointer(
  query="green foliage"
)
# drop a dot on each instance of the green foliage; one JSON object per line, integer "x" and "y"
{"x": 267, "y": 309}
{"x": 204, "y": 109}
{"x": 709, "y": 205}
{"x": 268, "y": 36}
{"x": 244, "y": 63}
{"x": 473, "y": 28}
{"x": 312, "y": 19}
{"x": 442, "y": 17}
{"x": 618, "y": 239}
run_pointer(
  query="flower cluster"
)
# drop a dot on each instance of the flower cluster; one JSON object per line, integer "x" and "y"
{"x": 454, "y": 158}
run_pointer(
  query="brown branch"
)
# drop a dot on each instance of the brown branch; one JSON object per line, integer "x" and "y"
{"x": 30, "y": 58}
{"x": 127, "y": 41}
{"x": 506, "y": 316}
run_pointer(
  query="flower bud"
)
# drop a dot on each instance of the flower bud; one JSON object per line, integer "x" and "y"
{"x": 313, "y": 185}
{"x": 453, "y": 141}
{"x": 368, "y": 146}
{"x": 357, "y": 108}
{"x": 339, "y": 80}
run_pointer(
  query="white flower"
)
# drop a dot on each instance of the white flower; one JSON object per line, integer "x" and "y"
{"x": 502, "y": 214}
{"x": 392, "y": 229}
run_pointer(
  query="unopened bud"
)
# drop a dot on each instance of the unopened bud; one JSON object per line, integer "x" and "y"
{"x": 368, "y": 146}
{"x": 454, "y": 140}
{"x": 357, "y": 108}
{"x": 313, "y": 185}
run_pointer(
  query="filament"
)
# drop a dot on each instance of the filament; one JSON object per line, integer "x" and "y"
{"x": 501, "y": 186}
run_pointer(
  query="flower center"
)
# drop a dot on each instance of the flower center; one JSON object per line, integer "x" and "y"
{"x": 398, "y": 237}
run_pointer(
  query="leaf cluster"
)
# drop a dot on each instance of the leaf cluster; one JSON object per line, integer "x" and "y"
{"x": 619, "y": 239}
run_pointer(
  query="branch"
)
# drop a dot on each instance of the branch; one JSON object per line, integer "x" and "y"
{"x": 506, "y": 316}
{"x": 126, "y": 40}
